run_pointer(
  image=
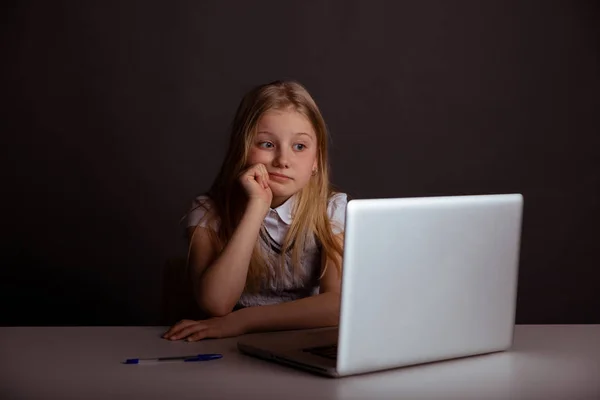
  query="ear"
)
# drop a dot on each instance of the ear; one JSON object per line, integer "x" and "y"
{"x": 315, "y": 164}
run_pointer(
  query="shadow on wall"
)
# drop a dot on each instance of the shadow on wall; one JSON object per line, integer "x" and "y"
{"x": 177, "y": 294}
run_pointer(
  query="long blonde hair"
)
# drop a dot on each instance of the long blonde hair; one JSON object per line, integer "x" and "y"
{"x": 311, "y": 221}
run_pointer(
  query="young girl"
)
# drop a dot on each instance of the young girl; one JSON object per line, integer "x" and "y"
{"x": 266, "y": 241}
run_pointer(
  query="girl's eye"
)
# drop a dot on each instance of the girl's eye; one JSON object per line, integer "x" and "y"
{"x": 299, "y": 147}
{"x": 265, "y": 145}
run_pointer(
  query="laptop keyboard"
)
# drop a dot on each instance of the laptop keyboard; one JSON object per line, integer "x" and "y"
{"x": 324, "y": 351}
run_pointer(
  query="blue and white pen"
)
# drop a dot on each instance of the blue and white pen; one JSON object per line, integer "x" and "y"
{"x": 194, "y": 358}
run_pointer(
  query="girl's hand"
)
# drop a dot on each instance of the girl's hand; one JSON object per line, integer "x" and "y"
{"x": 255, "y": 181}
{"x": 218, "y": 327}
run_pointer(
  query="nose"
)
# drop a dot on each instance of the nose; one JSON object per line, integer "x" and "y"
{"x": 281, "y": 158}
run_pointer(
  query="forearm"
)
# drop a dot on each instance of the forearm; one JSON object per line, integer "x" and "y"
{"x": 223, "y": 281}
{"x": 317, "y": 311}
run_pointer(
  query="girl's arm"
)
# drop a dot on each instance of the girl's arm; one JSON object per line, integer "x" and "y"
{"x": 317, "y": 311}
{"x": 218, "y": 281}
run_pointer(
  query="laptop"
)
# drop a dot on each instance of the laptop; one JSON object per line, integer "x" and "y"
{"x": 423, "y": 280}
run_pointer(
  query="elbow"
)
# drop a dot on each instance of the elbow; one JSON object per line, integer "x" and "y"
{"x": 214, "y": 308}
{"x": 212, "y": 303}
{"x": 218, "y": 312}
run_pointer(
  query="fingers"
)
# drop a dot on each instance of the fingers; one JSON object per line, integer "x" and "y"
{"x": 257, "y": 173}
{"x": 266, "y": 178}
{"x": 173, "y": 329}
{"x": 256, "y": 183}
{"x": 258, "y": 176}
{"x": 178, "y": 328}
{"x": 202, "y": 334}
{"x": 262, "y": 176}
{"x": 186, "y": 332}
{"x": 192, "y": 333}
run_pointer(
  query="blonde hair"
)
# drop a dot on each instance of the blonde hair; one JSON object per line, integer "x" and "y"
{"x": 311, "y": 221}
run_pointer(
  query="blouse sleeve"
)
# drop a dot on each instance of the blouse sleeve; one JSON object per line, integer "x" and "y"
{"x": 336, "y": 210}
{"x": 197, "y": 215}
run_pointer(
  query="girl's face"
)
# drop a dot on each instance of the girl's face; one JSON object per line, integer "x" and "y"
{"x": 286, "y": 144}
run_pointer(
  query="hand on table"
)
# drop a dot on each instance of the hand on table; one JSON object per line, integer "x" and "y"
{"x": 217, "y": 327}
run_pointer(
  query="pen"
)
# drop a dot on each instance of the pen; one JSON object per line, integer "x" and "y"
{"x": 193, "y": 358}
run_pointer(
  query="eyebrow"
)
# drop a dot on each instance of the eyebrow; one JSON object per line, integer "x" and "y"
{"x": 295, "y": 134}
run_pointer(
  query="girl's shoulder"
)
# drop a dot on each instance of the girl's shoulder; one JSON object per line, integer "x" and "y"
{"x": 337, "y": 200}
{"x": 336, "y": 211}
{"x": 201, "y": 213}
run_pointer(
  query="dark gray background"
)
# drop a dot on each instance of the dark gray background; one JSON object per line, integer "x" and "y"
{"x": 116, "y": 115}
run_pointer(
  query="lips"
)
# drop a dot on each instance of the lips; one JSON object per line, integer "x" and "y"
{"x": 278, "y": 176}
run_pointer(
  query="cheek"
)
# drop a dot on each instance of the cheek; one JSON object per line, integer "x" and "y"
{"x": 307, "y": 165}
{"x": 312, "y": 162}
{"x": 257, "y": 156}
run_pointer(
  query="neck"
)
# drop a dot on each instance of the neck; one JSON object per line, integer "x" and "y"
{"x": 277, "y": 201}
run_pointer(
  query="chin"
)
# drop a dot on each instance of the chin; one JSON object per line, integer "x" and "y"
{"x": 279, "y": 193}
{"x": 283, "y": 193}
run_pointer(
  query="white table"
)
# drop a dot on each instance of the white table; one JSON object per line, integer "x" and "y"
{"x": 546, "y": 362}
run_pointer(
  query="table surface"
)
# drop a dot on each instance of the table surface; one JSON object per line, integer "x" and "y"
{"x": 545, "y": 362}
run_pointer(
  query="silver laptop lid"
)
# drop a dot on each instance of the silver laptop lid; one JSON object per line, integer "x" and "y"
{"x": 427, "y": 279}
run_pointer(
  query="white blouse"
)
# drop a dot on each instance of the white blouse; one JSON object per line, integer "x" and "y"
{"x": 276, "y": 225}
